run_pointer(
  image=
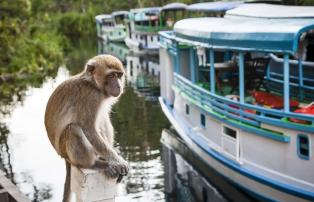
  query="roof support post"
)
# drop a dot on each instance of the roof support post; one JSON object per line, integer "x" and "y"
{"x": 301, "y": 83}
{"x": 300, "y": 72}
{"x": 212, "y": 71}
{"x": 192, "y": 65}
{"x": 241, "y": 77}
{"x": 178, "y": 63}
{"x": 286, "y": 83}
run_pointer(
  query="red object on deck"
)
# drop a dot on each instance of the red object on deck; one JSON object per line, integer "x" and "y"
{"x": 305, "y": 110}
{"x": 271, "y": 100}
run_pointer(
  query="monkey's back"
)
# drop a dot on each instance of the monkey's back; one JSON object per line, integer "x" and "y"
{"x": 69, "y": 103}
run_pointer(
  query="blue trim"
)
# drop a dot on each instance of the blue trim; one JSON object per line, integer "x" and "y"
{"x": 247, "y": 128}
{"x": 202, "y": 143}
{"x": 264, "y": 115}
{"x": 299, "y": 147}
{"x": 298, "y": 35}
{"x": 286, "y": 93}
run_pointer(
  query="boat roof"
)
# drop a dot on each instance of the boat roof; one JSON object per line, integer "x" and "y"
{"x": 146, "y": 14}
{"x": 148, "y": 9}
{"x": 217, "y": 6}
{"x": 174, "y": 6}
{"x": 102, "y": 17}
{"x": 271, "y": 11}
{"x": 120, "y": 13}
{"x": 270, "y": 35}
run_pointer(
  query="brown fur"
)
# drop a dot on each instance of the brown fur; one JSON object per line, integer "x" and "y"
{"x": 77, "y": 118}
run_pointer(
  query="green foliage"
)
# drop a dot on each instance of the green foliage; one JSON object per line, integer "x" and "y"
{"x": 77, "y": 24}
{"x": 40, "y": 51}
{"x": 27, "y": 42}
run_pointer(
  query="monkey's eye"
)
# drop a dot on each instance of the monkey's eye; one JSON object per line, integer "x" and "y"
{"x": 119, "y": 74}
{"x": 111, "y": 76}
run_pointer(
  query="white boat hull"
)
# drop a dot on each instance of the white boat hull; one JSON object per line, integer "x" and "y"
{"x": 248, "y": 180}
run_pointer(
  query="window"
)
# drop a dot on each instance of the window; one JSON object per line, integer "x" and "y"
{"x": 203, "y": 120}
{"x": 303, "y": 146}
{"x": 152, "y": 38}
{"x": 131, "y": 64}
{"x": 187, "y": 109}
{"x": 230, "y": 132}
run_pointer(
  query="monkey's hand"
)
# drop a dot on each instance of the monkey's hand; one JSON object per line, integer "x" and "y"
{"x": 117, "y": 167}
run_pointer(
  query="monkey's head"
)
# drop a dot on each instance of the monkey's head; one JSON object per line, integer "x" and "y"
{"x": 108, "y": 74}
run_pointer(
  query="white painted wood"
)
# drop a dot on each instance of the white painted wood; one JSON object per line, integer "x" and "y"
{"x": 91, "y": 185}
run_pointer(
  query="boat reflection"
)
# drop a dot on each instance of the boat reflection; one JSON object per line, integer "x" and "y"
{"x": 118, "y": 49}
{"x": 189, "y": 179}
{"x": 142, "y": 70}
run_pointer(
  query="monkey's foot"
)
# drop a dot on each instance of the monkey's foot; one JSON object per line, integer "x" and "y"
{"x": 116, "y": 169}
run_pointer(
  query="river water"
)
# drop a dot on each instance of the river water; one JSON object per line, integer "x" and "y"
{"x": 28, "y": 159}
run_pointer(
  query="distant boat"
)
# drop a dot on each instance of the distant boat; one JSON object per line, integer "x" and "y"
{"x": 111, "y": 27}
{"x": 214, "y": 92}
{"x": 144, "y": 24}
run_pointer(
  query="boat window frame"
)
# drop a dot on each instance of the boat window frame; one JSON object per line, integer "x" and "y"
{"x": 187, "y": 109}
{"x": 203, "y": 118}
{"x": 302, "y": 156}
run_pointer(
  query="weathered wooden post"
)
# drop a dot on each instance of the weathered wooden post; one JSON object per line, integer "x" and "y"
{"x": 9, "y": 192}
{"x": 92, "y": 185}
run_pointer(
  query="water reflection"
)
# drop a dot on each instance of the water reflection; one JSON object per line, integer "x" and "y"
{"x": 29, "y": 157}
{"x": 142, "y": 70}
{"x": 30, "y": 161}
{"x": 138, "y": 120}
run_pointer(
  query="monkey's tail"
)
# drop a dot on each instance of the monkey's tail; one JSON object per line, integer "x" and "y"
{"x": 67, "y": 183}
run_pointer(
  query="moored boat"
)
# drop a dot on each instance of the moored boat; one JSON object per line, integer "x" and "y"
{"x": 144, "y": 24}
{"x": 111, "y": 27}
{"x": 214, "y": 92}
{"x": 104, "y": 24}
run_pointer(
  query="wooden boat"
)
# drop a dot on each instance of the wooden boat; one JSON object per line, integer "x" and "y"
{"x": 111, "y": 27}
{"x": 144, "y": 24}
{"x": 213, "y": 92}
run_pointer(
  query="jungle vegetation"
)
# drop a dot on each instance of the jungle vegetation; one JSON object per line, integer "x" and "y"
{"x": 35, "y": 35}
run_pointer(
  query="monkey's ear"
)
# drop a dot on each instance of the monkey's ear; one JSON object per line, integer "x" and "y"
{"x": 90, "y": 66}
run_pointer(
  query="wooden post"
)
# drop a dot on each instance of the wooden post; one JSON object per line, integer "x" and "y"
{"x": 9, "y": 192}
{"x": 92, "y": 185}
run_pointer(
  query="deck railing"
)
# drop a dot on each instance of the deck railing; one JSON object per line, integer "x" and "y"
{"x": 247, "y": 116}
{"x": 149, "y": 29}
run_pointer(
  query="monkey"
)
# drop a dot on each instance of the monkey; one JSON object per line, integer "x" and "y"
{"x": 77, "y": 118}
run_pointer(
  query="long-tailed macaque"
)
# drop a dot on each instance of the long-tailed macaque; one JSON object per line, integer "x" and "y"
{"x": 78, "y": 122}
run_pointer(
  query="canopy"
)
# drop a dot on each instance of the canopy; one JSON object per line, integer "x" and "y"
{"x": 120, "y": 13}
{"x": 100, "y": 18}
{"x": 273, "y": 35}
{"x": 174, "y": 6}
{"x": 272, "y": 11}
{"x": 218, "y": 6}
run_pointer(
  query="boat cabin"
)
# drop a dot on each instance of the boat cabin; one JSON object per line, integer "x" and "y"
{"x": 172, "y": 13}
{"x": 211, "y": 9}
{"x": 301, "y": 62}
{"x": 119, "y": 17}
{"x": 103, "y": 23}
{"x": 216, "y": 92}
